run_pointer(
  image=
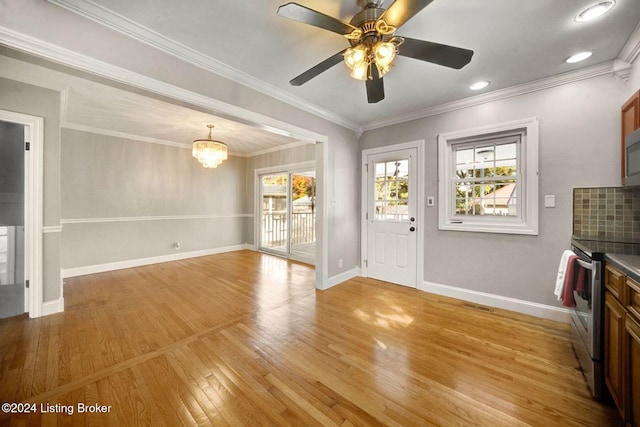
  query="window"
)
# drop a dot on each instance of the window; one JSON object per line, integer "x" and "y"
{"x": 392, "y": 190}
{"x": 488, "y": 179}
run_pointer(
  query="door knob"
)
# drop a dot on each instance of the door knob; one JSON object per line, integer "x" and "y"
{"x": 412, "y": 219}
{"x": 412, "y": 229}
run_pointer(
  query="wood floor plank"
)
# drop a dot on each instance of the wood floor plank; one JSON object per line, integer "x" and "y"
{"x": 244, "y": 338}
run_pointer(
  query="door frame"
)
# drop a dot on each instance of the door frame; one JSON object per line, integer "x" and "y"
{"x": 33, "y": 207}
{"x": 420, "y": 198}
{"x": 287, "y": 169}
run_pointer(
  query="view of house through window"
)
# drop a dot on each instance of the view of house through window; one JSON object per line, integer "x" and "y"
{"x": 392, "y": 190}
{"x": 288, "y": 215}
{"x": 486, "y": 180}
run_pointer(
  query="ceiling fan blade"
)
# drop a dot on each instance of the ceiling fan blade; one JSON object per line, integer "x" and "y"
{"x": 320, "y": 68}
{"x": 305, "y": 15}
{"x": 441, "y": 54}
{"x": 401, "y": 11}
{"x": 375, "y": 87}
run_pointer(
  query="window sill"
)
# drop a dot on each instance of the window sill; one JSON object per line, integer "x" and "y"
{"x": 478, "y": 227}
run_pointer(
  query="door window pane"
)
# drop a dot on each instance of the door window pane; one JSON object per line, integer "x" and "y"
{"x": 392, "y": 190}
{"x": 303, "y": 214}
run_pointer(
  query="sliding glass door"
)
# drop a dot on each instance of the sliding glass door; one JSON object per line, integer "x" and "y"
{"x": 303, "y": 215}
{"x": 275, "y": 213}
{"x": 288, "y": 214}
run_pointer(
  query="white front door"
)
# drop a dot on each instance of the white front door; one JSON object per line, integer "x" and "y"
{"x": 391, "y": 216}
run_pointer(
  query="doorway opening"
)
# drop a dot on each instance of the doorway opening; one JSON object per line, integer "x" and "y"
{"x": 21, "y": 212}
{"x": 12, "y": 220}
{"x": 287, "y": 225}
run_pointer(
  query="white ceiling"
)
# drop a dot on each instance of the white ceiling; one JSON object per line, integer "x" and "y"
{"x": 514, "y": 42}
{"x": 99, "y": 108}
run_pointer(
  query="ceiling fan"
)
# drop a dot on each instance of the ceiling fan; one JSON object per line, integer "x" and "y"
{"x": 374, "y": 45}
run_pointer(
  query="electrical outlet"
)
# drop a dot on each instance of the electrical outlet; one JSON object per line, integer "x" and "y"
{"x": 340, "y": 263}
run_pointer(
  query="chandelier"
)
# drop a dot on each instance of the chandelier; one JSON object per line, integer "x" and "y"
{"x": 209, "y": 152}
{"x": 378, "y": 48}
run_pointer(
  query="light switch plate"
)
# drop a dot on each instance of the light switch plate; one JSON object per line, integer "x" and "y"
{"x": 549, "y": 201}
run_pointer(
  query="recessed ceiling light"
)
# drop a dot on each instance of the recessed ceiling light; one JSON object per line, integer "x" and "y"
{"x": 595, "y": 10}
{"x": 578, "y": 57}
{"x": 479, "y": 85}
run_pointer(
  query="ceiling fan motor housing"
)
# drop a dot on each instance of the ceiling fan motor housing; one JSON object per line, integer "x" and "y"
{"x": 370, "y": 3}
{"x": 366, "y": 21}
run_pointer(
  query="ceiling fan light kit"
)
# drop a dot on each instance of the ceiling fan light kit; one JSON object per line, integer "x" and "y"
{"x": 374, "y": 46}
{"x": 361, "y": 58}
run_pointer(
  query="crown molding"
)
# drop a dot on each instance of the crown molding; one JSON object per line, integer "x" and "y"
{"x": 123, "y": 25}
{"x": 622, "y": 69}
{"x": 631, "y": 48}
{"x": 533, "y": 86}
{"x": 52, "y": 52}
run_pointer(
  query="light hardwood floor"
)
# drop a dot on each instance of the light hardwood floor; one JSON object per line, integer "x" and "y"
{"x": 244, "y": 339}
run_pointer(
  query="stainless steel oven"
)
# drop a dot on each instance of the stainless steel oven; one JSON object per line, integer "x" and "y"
{"x": 588, "y": 320}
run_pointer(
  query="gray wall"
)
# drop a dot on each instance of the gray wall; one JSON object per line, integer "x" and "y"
{"x": 35, "y": 101}
{"x": 107, "y": 179}
{"x": 579, "y": 147}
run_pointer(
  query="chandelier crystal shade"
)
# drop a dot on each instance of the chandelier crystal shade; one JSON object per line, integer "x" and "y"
{"x": 209, "y": 152}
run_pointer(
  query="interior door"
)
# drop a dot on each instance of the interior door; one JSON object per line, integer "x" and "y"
{"x": 391, "y": 217}
{"x": 12, "y": 219}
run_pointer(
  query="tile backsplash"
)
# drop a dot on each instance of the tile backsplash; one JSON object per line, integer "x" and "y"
{"x": 607, "y": 212}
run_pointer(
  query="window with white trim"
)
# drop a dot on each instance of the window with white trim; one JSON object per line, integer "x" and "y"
{"x": 488, "y": 179}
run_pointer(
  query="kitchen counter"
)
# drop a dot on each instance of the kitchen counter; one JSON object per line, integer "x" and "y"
{"x": 629, "y": 264}
{"x": 621, "y": 252}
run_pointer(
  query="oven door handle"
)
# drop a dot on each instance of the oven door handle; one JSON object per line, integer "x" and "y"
{"x": 584, "y": 264}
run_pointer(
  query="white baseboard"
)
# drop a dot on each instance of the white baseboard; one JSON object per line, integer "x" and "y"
{"x": 520, "y": 306}
{"x": 119, "y": 265}
{"x": 52, "y": 307}
{"x": 342, "y": 277}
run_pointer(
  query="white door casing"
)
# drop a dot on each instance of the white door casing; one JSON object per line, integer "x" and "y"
{"x": 34, "y": 134}
{"x": 392, "y": 214}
